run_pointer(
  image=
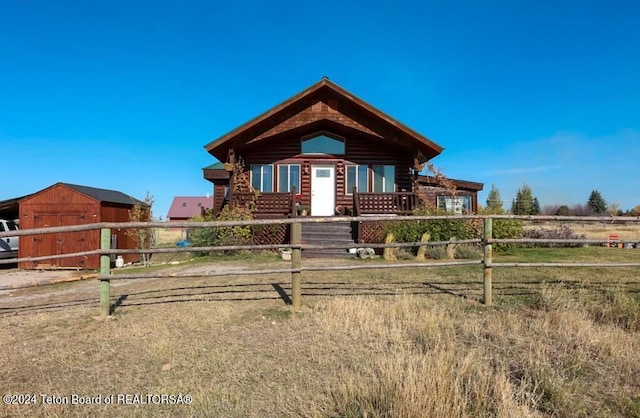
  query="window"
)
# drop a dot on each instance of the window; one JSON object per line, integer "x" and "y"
{"x": 288, "y": 177}
{"x": 456, "y": 205}
{"x": 262, "y": 177}
{"x": 11, "y": 226}
{"x": 323, "y": 143}
{"x": 384, "y": 178}
{"x": 357, "y": 175}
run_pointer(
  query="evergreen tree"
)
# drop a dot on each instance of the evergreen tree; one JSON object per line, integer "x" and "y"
{"x": 596, "y": 203}
{"x": 494, "y": 201}
{"x": 524, "y": 202}
{"x": 564, "y": 211}
{"x": 535, "y": 207}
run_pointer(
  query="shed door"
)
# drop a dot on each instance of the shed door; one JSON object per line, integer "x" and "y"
{"x": 45, "y": 244}
{"x": 60, "y": 243}
{"x": 72, "y": 242}
{"x": 323, "y": 190}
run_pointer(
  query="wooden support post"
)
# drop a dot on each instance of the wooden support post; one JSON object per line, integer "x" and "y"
{"x": 488, "y": 259}
{"x": 105, "y": 269}
{"x": 296, "y": 262}
{"x": 294, "y": 208}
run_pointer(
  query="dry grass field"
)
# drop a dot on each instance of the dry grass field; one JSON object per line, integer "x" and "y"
{"x": 375, "y": 343}
{"x": 629, "y": 232}
{"x": 600, "y": 230}
{"x": 164, "y": 236}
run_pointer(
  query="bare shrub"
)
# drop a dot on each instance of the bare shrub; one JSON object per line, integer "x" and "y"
{"x": 468, "y": 252}
{"x": 436, "y": 253}
{"x": 559, "y": 232}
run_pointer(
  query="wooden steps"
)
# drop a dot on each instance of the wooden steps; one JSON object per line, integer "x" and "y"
{"x": 339, "y": 233}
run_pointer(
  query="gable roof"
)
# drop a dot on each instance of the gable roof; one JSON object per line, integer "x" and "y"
{"x": 186, "y": 207}
{"x": 103, "y": 195}
{"x": 257, "y": 127}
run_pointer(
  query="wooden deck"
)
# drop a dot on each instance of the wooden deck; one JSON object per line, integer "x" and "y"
{"x": 399, "y": 203}
{"x": 266, "y": 205}
{"x": 283, "y": 205}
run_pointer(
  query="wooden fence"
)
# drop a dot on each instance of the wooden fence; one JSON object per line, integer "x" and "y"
{"x": 296, "y": 246}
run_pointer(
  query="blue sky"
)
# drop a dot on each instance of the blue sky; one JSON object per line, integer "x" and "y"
{"x": 125, "y": 94}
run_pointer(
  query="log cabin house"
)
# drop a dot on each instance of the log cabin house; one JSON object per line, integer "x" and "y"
{"x": 335, "y": 151}
{"x": 330, "y": 152}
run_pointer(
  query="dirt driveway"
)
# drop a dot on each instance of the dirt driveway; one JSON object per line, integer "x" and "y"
{"x": 13, "y": 278}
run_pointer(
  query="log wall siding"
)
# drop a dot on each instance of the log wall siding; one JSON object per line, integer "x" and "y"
{"x": 219, "y": 194}
{"x": 360, "y": 149}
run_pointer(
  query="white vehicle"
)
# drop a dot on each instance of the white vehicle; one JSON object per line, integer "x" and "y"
{"x": 8, "y": 245}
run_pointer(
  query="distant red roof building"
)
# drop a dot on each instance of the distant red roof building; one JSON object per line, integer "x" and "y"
{"x": 184, "y": 208}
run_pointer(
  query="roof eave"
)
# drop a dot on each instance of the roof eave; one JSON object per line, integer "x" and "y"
{"x": 462, "y": 184}
{"x": 221, "y": 141}
{"x": 274, "y": 110}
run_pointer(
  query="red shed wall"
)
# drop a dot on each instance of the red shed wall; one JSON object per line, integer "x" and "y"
{"x": 120, "y": 213}
{"x": 59, "y": 206}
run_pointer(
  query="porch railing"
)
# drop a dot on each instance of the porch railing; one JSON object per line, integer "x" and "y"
{"x": 401, "y": 203}
{"x": 283, "y": 204}
{"x": 266, "y": 204}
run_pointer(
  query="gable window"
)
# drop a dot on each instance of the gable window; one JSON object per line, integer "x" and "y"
{"x": 357, "y": 175}
{"x": 262, "y": 177}
{"x": 323, "y": 143}
{"x": 288, "y": 177}
{"x": 384, "y": 178}
{"x": 456, "y": 205}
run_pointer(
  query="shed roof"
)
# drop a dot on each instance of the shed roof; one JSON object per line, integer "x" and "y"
{"x": 10, "y": 204}
{"x": 100, "y": 195}
{"x": 10, "y": 208}
{"x": 105, "y": 195}
{"x": 185, "y": 207}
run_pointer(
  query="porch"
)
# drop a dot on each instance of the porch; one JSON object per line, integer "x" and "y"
{"x": 283, "y": 205}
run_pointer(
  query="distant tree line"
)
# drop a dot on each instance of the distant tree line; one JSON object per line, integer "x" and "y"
{"x": 525, "y": 203}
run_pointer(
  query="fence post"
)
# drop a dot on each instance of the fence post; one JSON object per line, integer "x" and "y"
{"x": 296, "y": 261}
{"x": 105, "y": 268}
{"x": 487, "y": 260}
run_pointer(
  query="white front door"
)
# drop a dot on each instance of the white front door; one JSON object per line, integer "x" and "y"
{"x": 323, "y": 190}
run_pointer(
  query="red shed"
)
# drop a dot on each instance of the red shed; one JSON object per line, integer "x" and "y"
{"x": 66, "y": 204}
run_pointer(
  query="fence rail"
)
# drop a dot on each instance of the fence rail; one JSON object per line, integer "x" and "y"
{"x": 296, "y": 246}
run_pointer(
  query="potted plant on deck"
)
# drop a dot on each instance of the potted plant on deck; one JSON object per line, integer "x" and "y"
{"x": 343, "y": 210}
{"x": 303, "y": 210}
